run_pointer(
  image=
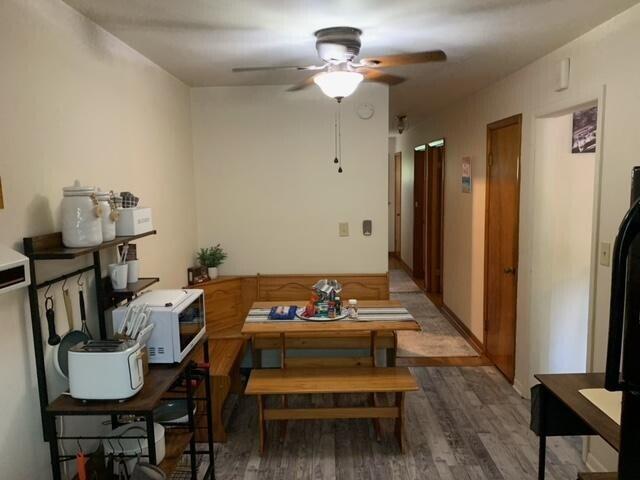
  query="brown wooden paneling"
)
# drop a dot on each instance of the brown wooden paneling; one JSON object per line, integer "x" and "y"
{"x": 223, "y": 305}
{"x": 397, "y": 194}
{"x": 286, "y": 287}
{"x": 419, "y": 212}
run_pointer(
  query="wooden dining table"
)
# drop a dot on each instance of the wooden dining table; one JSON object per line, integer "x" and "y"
{"x": 345, "y": 329}
{"x": 331, "y": 374}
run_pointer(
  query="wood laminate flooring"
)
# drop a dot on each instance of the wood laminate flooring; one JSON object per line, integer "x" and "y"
{"x": 464, "y": 424}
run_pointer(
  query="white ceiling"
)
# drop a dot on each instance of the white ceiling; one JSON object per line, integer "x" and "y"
{"x": 199, "y": 41}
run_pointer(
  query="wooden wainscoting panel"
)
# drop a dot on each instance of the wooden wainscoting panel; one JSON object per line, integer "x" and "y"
{"x": 223, "y": 306}
{"x": 286, "y": 287}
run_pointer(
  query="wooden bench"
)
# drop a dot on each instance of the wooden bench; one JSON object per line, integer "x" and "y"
{"x": 369, "y": 380}
{"x": 226, "y": 355}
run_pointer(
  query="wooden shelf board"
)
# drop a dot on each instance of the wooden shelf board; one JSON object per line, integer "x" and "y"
{"x": 176, "y": 442}
{"x": 156, "y": 383}
{"x": 132, "y": 289}
{"x": 50, "y": 247}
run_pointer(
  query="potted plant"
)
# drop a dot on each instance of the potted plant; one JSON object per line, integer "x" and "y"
{"x": 212, "y": 258}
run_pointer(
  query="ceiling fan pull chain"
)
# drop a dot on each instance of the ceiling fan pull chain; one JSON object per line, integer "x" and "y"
{"x": 339, "y": 138}
{"x": 335, "y": 136}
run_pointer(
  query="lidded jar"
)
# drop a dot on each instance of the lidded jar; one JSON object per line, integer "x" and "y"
{"x": 109, "y": 214}
{"x": 81, "y": 214}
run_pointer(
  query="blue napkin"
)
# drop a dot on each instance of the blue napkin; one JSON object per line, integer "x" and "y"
{"x": 283, "y": 313}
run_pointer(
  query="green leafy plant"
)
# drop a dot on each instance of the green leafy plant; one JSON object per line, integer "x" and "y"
{"x": 211, "y": 256}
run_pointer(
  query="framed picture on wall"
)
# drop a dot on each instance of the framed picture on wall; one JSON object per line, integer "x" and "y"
{"x": 466, "y": 174}
{"x": 584, "y": 130}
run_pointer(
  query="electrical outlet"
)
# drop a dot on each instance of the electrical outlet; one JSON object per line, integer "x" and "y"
{"x": 343, "y": 229}
{"x": 367, "y": 228}
{"x": 605, "y": 254}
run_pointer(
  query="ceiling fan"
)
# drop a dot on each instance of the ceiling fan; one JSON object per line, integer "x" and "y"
{"x": 341, "y": 73}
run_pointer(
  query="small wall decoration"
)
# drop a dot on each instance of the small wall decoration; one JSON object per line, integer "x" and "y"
{"x": 466, "y": 174}
{"x": 584, "y": 131}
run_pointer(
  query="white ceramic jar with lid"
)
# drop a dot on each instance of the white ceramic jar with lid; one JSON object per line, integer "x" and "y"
{"x": 109, "y": 214}
{"x": 81, "y": 214}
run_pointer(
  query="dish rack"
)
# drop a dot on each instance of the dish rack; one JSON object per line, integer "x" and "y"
{"x": 185, "y": 380}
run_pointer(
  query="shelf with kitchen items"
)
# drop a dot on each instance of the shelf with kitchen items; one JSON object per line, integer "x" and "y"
{"x": 159, "y": 380}
{"x": 163, "y": 382}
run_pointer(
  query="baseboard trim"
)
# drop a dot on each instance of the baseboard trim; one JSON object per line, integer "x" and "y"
{"x": 462, "y": 329}
{"x": 517, "y": 386}
{"x": 404, "y": 266}
{"x": 593, "y": 464}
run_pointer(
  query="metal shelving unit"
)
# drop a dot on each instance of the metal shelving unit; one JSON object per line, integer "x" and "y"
{"x": 158, "y": 382}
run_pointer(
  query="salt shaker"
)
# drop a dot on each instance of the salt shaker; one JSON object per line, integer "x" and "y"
{"x": 353, "y": 309}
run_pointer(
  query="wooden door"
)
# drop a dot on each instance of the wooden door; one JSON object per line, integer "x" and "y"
{"x": 397, "y": 204}
{"x": 418, "y": 212}
{"x": 501, "y": 242}
{"x": 435, "y": 212}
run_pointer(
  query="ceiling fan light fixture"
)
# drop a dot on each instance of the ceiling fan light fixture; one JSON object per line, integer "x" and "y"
{"x": 338, "y": 84}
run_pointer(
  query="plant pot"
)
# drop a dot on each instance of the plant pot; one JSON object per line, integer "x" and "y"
{"x": 212, "y": 272}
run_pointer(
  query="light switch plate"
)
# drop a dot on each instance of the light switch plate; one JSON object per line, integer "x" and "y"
{"x": 366, "y": 228}
{"x": 343, "y": 229}
{"x": 605, "y": 254}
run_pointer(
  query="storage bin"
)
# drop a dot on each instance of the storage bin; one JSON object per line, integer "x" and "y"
{"x": 133, "y": 221}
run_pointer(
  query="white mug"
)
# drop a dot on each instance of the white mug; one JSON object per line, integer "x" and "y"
{"x": 133, "y": 271}
{"x": 118, "y": 275}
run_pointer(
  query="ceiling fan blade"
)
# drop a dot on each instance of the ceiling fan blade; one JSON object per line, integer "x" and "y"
{"x": 404, "y": 59}
{"x": 307, "y": 82}
{"x": 286, "y": 67}
{"x": 371, "y": 75}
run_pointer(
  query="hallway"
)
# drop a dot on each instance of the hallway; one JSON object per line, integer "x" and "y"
{"x": 439, "y": 343}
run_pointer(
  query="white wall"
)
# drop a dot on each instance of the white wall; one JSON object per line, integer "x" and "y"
{"x": 605, "y": 56}
{"x": 267, "y": 187}
{"x": 561, "y": 249}
{"x": 78, "y": 103}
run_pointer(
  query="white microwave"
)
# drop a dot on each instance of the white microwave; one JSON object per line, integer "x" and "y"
{"x": 179, "y": 322}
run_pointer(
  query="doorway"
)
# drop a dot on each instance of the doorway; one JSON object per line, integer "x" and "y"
{"x": 501, "y": 242}
{"x": 419, "y": 211}
{"x": 397, "y": 204}
{"x": 562, "y": 247}
{"x": 435, "y": 220}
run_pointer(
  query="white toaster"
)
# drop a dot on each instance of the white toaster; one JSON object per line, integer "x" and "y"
{"x": 105, "y": 370}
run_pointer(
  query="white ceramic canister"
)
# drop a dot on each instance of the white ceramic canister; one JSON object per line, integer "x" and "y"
{"x": 109, "y": 214}
{"x": 81, "y": 224}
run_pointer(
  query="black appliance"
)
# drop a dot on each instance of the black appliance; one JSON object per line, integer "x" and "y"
{"x": 623, "y": 354}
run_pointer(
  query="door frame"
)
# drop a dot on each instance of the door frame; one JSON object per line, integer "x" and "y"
{"x": 417, "y": 267}
{"x": 596, "y": 95}
{"x": 505, "y": 122}
{"x": 427, "y": 269}
{"x": 397, "y": 204}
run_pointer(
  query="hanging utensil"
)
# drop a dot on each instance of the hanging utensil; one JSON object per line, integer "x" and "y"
{"x": 66, "y": 296}
{"x": 54, "y": 338}
{"x": 83, "y": 314}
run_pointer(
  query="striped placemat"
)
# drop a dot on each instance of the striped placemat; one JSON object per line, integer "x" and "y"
{"x": 381, "y": 314}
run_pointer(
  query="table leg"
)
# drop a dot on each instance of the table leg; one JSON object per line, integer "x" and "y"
{"x": 256, "y": 354}
{"x": 542, "y": 456}
{"x": 261, "y": 421}
{"x": 400, "y": 420}
{"x": 542, "y": 447}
